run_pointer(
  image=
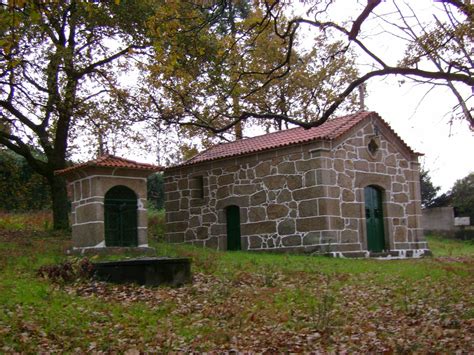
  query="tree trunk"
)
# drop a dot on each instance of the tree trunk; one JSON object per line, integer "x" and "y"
{"x": 60, "y": 203}
{"x": 238, "y": 128}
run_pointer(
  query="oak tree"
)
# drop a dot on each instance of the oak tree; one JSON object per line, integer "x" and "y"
{"x": 56, "y": 57}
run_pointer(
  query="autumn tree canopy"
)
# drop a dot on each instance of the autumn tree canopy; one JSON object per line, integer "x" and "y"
{"x": 199, "y": 77}
{"x": 225, "y": 62}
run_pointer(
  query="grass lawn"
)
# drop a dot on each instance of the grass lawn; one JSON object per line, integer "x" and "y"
{"x": 242, "y": 301}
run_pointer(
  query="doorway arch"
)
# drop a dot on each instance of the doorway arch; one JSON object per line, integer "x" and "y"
{"x": 233, "y": 227}
{"x": 374, "y": 219}
{"x": 120, "y": 217}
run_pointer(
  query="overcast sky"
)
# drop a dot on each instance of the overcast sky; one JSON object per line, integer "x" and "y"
{"x": 448, "y": 149}
{"x": 426, "y": 126}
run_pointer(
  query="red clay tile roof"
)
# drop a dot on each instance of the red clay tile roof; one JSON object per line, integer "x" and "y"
{"x": 330, "y": 130}
{"x": 111, "y": 161}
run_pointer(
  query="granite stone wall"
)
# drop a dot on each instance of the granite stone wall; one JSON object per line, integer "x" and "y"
{"x": 307, "y": 197}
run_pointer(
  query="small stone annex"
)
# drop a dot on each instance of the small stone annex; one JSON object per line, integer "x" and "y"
{"x": 108, "y": 207}
{"x": 349, "y": 187}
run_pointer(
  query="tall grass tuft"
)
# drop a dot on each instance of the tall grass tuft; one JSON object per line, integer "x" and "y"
{"x": 450, "y": 247}
{"x": 33, "y": 220}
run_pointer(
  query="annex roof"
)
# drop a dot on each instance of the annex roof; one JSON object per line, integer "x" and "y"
{"x": 110, "y": 161}
{"x": 329, "y": 130}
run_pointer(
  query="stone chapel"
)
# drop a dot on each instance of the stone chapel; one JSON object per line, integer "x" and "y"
{"x": 349, "y": 187}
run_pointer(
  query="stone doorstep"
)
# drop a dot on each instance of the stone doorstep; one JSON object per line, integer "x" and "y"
{"x": 91, "y": 251}
{"x": 385, "y": 255}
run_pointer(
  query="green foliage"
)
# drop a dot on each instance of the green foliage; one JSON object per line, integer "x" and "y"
{"x": 428, "y": 190}
{"x": 156, "y": 224}
{"x": 442, "y": 200}
{"x": 156, "y": 191}
{"x": 21, "y": 188}
{"x": 463, "y": 196}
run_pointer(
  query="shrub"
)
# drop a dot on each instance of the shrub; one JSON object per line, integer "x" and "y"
{"x": 21, "y": 189}
{"x": 156, "y": 191}
{"x": 156, "y": 224}
{"x": 33, "y": 220}
{"x": 466, "y": 234}
{"x": 67, "y": 271}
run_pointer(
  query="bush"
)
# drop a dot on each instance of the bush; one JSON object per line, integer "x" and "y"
{"x": 156, "y": 224}
{"x": 21, "y": 189}
{"x": 68, "y": 271}
{"x": 156, "y": 191}
{"x": 466, "y": 234}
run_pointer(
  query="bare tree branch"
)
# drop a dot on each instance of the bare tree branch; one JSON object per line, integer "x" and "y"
{"x": 371, "y": 5}
{"x": 92, "y": 67}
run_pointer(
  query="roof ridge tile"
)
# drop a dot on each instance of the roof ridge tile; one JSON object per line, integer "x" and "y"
{"x": 110, "y": 161}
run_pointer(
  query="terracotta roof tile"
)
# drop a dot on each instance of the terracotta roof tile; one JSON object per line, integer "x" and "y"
{"x": 331, "y": 129}
{"x": 111, "y": 161}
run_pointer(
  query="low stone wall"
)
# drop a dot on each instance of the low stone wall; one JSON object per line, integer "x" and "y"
{"x": 439, "y": 221}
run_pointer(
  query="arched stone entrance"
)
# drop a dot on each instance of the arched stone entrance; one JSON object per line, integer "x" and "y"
{"x": 374, "y": 219}
{"x": 120, "y": 217}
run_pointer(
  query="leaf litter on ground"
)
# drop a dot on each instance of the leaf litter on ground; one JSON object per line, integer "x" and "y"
{"x": 308, "y": 304}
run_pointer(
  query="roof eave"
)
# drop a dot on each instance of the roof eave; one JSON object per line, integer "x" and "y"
{"x": 86, "y": 165}
{"x": 185, "y": 165}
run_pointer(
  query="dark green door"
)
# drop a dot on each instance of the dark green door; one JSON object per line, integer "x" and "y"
{"x": 374, "y": 219}
{"x": 120, "y": 217}
{"x": 233, "y": 228}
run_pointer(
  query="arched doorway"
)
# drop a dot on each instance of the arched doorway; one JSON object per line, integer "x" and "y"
{"x": 374, "y": 219}
{"x": 233, "y": 228}
{"x": 120, "y": 217}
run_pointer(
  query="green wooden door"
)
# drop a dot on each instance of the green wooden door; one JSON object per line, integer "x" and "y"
{"x": 120, "y": 217}
{"x": 374, "y": 219}
{"x": 233, "y": 228}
